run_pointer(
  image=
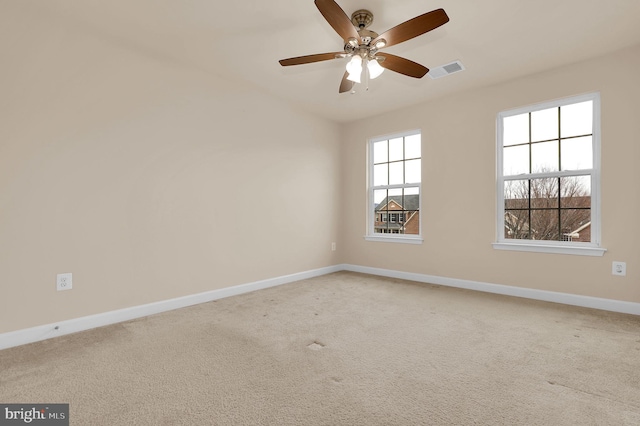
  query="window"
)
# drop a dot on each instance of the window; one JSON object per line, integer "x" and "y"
{"x": 395, "y": 171}
{"x": 549, "y": 177}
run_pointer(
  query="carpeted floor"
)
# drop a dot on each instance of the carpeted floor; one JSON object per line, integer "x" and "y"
{"x": 343, "y": 349}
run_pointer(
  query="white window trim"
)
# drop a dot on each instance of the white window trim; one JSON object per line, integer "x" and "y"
{"x": 389, "y": 238}
{"x": 394, "y": 238}
{"x": 557, "y": 247}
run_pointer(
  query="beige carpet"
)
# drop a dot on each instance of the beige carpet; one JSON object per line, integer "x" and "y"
{"x": 343, "y": 349}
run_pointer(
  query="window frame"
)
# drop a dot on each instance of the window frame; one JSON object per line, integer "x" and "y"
{"x": 371, "y": 235}
{"x": 592, "y": 248}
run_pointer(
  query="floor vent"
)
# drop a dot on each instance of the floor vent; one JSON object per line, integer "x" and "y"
{"x": 445, "y": 70}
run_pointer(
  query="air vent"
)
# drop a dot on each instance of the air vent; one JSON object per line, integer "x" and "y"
{"x": 445, "y": 70}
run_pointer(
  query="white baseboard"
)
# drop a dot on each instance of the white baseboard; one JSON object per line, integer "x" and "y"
{"x": 43, "y": 332}
{"x": 528, "y": 293}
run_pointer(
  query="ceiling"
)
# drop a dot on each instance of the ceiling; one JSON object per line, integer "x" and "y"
{"x": 496, "y": 40}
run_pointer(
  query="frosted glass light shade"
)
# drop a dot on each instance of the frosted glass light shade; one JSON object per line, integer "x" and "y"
{"x": 354, "y": 68}
{"x": 374, "y": 69}
{"x": 354, "y": 77}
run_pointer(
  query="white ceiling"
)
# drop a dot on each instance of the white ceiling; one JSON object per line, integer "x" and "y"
{"x": 243, "y": 40}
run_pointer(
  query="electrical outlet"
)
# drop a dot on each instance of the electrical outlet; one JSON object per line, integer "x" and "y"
{"x": 64, "y": 282}
{"x": 619, "y": 268}
{"x": 333, "y": 246}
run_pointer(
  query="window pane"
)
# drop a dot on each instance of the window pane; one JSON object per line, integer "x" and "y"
{"x": 412, "y": 171}
{"x": 396, "y": 194}
{"x": 380, "y": 152}
{"x": 396, "y": 149}
{"x": 544, "y": 157}
{"x": 412, "y": 146}
{"x": 381, "y": 174}
{"x": 411, "y": 206}
{"x": 575, "y": 191}
{"x": 394, "y": 206}
{"x": 576, "y": 225}
{"x": 544, "y": 225}
{"x": 516, "y": 194}
{"x": 396, "y": 173}
{"x": 411, "y": 199}
{"x": 577, "y": 154}
{"x": 544, "y": 193}
{"x": 576, "y": 119}
{"x": 515, "y": 160}
{"x": 544, "y": 124}
{"x": 379, "y": 196}
{"x": 411, "y": 190}
{"x": 380, "y": 216}
{"x": 516, "y": 129}
{"x": 516, "y": 224}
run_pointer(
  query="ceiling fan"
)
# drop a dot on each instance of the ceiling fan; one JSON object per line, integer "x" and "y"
{"x": 363, "y": 45}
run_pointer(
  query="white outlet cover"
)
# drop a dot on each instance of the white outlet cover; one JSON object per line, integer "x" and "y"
{"x": 619, "y": 268}
{"x": 64, "y": 281}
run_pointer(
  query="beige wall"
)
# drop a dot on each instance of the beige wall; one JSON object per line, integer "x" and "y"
{"x": 145, "y": 179}
{"x": 458, "y": 216}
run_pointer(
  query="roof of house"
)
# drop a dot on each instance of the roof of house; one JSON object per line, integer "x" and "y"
{"x": 581, "y": 228}
{"x": 408, "y": 202}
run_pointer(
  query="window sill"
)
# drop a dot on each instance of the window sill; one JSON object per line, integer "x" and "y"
{"x": 389, "y": 239}
{"x": 551, "y": 248}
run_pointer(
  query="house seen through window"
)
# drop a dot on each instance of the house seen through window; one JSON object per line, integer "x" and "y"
{"x": 394, "y": 185}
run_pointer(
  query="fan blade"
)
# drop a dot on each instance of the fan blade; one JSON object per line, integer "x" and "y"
{"x": 345, "y": 85}
{"x": 339, "y": 20}
{"x": 413, "y": 27}
{"x": 299, "y": 60}
{"x": 402, "y": 65}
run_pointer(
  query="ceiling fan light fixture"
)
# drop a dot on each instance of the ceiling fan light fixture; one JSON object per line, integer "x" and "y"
{"x": 374, "y": 69}
{"x": 361, "y": 45}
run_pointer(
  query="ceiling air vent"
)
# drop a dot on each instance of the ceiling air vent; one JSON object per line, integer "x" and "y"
{"x": 445, "y": 70}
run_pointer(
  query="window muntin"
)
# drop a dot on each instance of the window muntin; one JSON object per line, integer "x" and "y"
{"x": 394, "y": 187}
{"x": 548, "y": 176}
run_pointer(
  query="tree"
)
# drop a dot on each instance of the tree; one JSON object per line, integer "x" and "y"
{"x": 549, "y": 208}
